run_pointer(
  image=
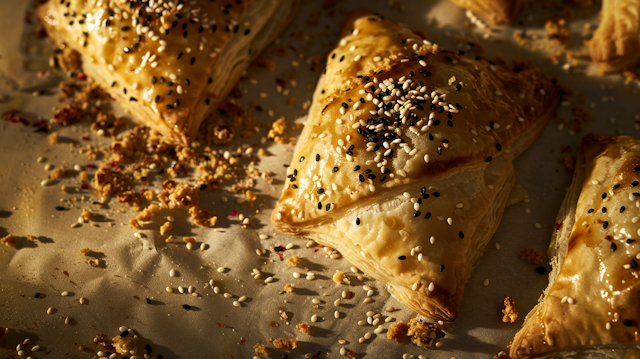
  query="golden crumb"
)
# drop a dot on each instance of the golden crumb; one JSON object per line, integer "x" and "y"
{"x": 31, "y": 238}
{"x": 509, "y": 310}
{"x": 202, "y": 217}
{"x": 147, "y": 214}
{"x": 169, "y": 239}
{"x": 288, "y": 288}
{"x": 86, "y": 216}
{"x": 397, "y": 331}
{"x": 178, "y": 195}
{"x": 133, "y": 223}
{"x": 8, "y": 240}
{"x": 57, "y": 173}
{"x": 273, "y": 323}
{"x": 123, "y": 345}
{"x": 166, "y": 227}
{"x": 532, "y": 255}
{"x": 424, "y": 334}
{"x": 261, "y": 349}
{"x": 85, "y": 251}
{"x": 286, "y": 344}
{"x": 283, "y": 314}
{"x": 261, "y": 152}
{"x": 304, "y": 328}
{"x": 189, "y": 240}
{"x": 293, "y": 260}
{"x": 53, "y": 138}
{"x": 94, "y": 262}
{"x": 64, "y": 189}
{"x": 276, "y": 131}
{"x": 338, "y": 277}
{"x": 149, "y": 195}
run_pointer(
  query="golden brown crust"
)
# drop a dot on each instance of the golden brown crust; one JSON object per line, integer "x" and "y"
{"x": 615, "y": 45}
{"x": 173, "y": 67}
{"x": 377, "y": 186}
{"x": 496, "y": 11}
{"x": 592, "y": 299}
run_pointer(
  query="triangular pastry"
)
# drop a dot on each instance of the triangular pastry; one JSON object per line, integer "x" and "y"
{"x": 591, "y": 304}
{"x": 405, "y": 162}
{"x": 170, "y": 63}
{"x": 615, "y": 45}
{"x": 496, "y": 11}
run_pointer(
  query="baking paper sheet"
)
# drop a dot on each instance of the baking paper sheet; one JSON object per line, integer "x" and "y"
{"x": 138, "y": 268}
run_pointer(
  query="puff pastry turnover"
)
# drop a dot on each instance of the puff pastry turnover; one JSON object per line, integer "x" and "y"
{"x": 615, "y": 45}
{"x": 404, "y": 164}
{"x": 496, "y": 11}
{"x": 591, "y": 303}
{"x": 170, "y": 63}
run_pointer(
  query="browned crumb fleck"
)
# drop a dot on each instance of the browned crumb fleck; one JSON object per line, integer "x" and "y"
{"x": 273, "y": 323}
{"x": 569, "y": 162}
{"x": 85, "y": 251}
{"x": 166, "y": 227}
{"x": 222, "y": 134}
{"x": 265, "y": 63}
{"x": 532, "y": 255}
{"x": 53, "y": 138}
{"x": 261, "y": 349}
{"x": 108, "y": 123}
{"x": 286, "y": 344}
{"x": 509, "y": 310}
{"x": 277, "y": 130}
{"x": 189, "y": 240}
{"x": 31, "y": 238}
{"x": 221, "y": 325}
{"x": 69, "y": 60}
{"x": 338, "y": 277}
{"x": 8, "y": 240}
{"x": 304, "y": 328}
{"x": 293, "y": 260}
{"x": 86, "y": 216}
{"x": 316, "y": 306}
{"x": 202, "y": 217}
{"x": 580, "y": 117}
{"x": 68, "y": 114}
{"x": 108, "y": 181}
{"x": 397, "y": 331}
{"x": 424, "y": 334}
{"x": 288, "y": 288}
{"x": 283, "y": 314}
{"x": 147, "y": 214}
{"x": 64, "y": 188}
{"x": 123, "y": 345}
{"x": 178, "y": 195}
{"x": 133, "y": 223}
{"x": 94, "y": 262}
{"x": 57, "y": 173}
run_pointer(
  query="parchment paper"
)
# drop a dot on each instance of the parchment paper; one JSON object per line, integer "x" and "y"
{"x": 139, "y": 267}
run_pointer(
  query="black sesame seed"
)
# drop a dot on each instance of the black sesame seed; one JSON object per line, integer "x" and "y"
{"x": 613, "y": 247}
{"x": 461, "y": 235}
{"x": 591, "y": 210}
{"x": 371, "y": 176}
{"x": 186, "y": 306}
{"x": 458, "y": 87}
{"x": 383, "y": 177}
{"x": 124, "y": 334}
{"x": 402, "y": 258}
{"x": 636, "y": 169}
{"x": 636, "y": 194}
{"x": 634, "y": 183}
{"x": 604, "y": 209}
{"x": 328, "y": 207}
{"x": 153, "y": 80}
{"x": 157, "y": 98}
{"x": 541, "y": 270}
{"x": 427, "y": 215}
{"x": 294, "y": 186}
{"x": 125, "y": 28}
{"x": 358, "y": 221}
{"x": 356, "y": 168}
{"x": 319, "y": 205}
{"x": 448, "y": 58}
{"x": 344, "y": 104}
{"x": 317, "y": 157}
{"x": 627, "y": 322}
{"x": 193, "y": 60}
{"x": 60, "y": 208}
{"x": 334, "y": 169}
{"x": 489, "y": 159}
{"x": 439, "y": 150}
{"x": 616, "y": 186}
{"x": 604, "y": 195}
{"x": 634, "y": 264}
{"x": 630, "y": 240}
{"x": 367, "y": 171}
{"x": 361, "y": 178}
{"x": 442, "y": 268}
{"x": 320, "y": 191}
{"x": 416, "y": 214}
{"x": 37, "y": 295}
{"x": 148, "y": 301}
{"x": 605, "y": 225}
{"x": 436, "y": 194}
{"x": 449, "y": 121}
{"x": 498, "y": 147}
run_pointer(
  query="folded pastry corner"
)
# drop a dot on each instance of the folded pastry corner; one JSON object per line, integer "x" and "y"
{"x": 591, "y": 304}
{"x": 405, "y": 161}
{"x": 496, "y": 11}
{"x": 169, "y": 63}
{"x": 615, "y": 45}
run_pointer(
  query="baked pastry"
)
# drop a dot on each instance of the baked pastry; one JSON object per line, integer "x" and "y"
{"x": 496, "y": 11}
{"x": 405, "y": 162}
{"x": 592, "y": 302}
{"x": 615, "y": 45}
{"x": 170, "y": 63}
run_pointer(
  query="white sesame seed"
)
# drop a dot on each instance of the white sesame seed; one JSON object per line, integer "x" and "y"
{"x": 608, "y": 326}
{"x": 362, "y": 322}
{"x": 431, "y": 287}
{"x": 268, "y": 280}
{"x": 228, "y": 295}
{"x": 486, "y": 282}
{"x": 236, "y": 303}
{"x": 45, "y": 183}
{"x": 263, "y": 236}
{"x": 216, "y": 290}
{"x": 369, "y": 293}
{"x": 450, "y": 221}
{"x": 64, "y": 294}
{"x": 361, "y": 340}
{"x": 181, "y": 289}
{"x": 169, "y": 290}
{"x": 422, "y": 63}
{"x": 221, "y": 269}
{"x": 66, "y": 320}
{"x": 50, "y": 310}
{"x": 289, "y": 246}
{"x": 336, "y": 314}
{"x": 172, "y": 273}
{"x": 337, "y": 302}
{"x": 343, "y": 351}
{"x": 538, "y": 225}
{"x": 35, "y": 348}
{"x": 314, "y": 318}
{"x": 432, "y": 240}
{"x": 367, "y": 300}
